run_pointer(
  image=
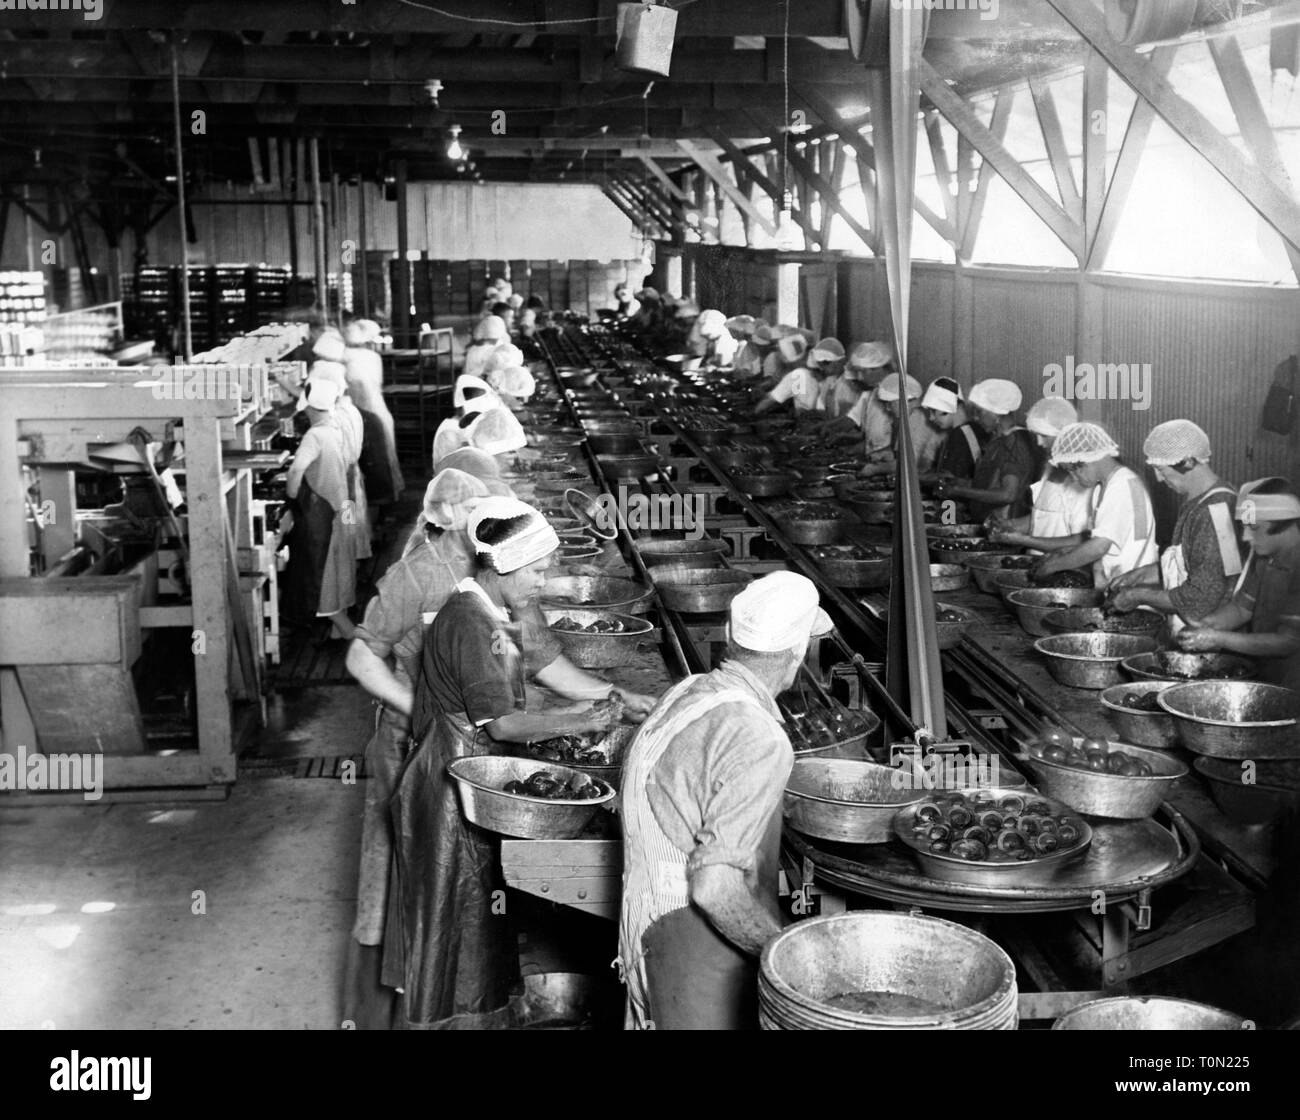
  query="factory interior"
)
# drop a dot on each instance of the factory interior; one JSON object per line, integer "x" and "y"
{"x": 717, "y": 514}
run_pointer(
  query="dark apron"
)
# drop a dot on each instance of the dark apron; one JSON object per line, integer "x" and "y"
{"x": 458, "y": 960}
{"x": 696, "y": 980}
{"x": 309, "y": 548}
{"x": 376, "y": 463}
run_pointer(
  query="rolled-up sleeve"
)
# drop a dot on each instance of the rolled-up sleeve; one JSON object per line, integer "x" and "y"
{"x": 719, "y": 813}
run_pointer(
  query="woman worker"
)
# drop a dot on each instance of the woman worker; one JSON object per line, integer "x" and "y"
{"x": 384, "y": 658}
{"x": 960, "y": 443}
{"x": 460, "y": 956}
{"x": 513, "y": 385}
{"x": 454, "y": 431}
{"x": 365, "y": 382}
{"x": 1196, "y": 573}
{"x": 320, "y": 579}
{"x": 1010, "y": 461}
{"x": 1060, "y": 505}
{"x": 489, "y": 332}
{"x": 353, "y": 426}
{"x": 752, "y": 356}
{"x": 877, "y": 414}
{"x": 1121, "y": 531}
{"x": 1262, "y": 619}
{"x": 711, "y": 341}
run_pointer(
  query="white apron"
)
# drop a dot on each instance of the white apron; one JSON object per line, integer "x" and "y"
{"x": 1173, "y": 564}
{"x": 656, "y": 884}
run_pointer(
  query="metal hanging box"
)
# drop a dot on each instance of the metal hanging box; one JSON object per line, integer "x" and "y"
{"x": 645, "y": 38}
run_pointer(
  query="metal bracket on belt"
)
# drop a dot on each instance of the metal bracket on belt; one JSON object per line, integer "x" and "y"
{"x": 1138, "y": 911}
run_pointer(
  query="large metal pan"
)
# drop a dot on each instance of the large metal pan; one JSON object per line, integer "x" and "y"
{"x": 600, "y": 593}
{"x": 810, "y": 523}
{"x": 605, "y": 650}
{"x": 1235, "y": 719}
{"x": 1148, "y": 1013}
{"x": 698, "y": 591}
{"x": 480, "y": 781}
{"x": 764, "y": 484}
{"x": 845, "y": 570}
{"x": 703, "y": 553}
{"x": 839, "y": 799}
{"x": 1090, "y": 660}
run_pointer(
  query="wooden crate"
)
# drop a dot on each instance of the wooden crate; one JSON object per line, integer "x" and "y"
{"x": 519, "y": 276}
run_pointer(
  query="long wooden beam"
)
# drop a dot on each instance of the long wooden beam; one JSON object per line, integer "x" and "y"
{"x": 763, "y": 181}
{"x": 1270, "y": 199}
{"x": 828, "y": 194}
{"x": 866, "y": 153}
{"x": 1256, "y": 128}
{"x": 659, "y": 173}
{"x": 1095, "y": 126}
{"x": 1131, "y": 148}
{"x": 962, "y": 117}
{"x": 1049, "y": 124}
{"x": 708, "y": 163}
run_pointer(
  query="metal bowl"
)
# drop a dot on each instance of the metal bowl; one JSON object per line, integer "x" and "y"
{"x": 485, "y": 803}
{"x": 836, "y": 799}
{"x": 1034, "y": 604}
{"x": 614, "y": 743}
{"x": 948, "y": 532}
{"x": 577, "y": 553}
{"x": 615, "y": 443}
{"x": 698, "y": 591}
{"x": 809, "y": 530}
{"x": 1089, "y": 660}
{"x": 707, "y": 437}
{"x": 628, "y": 466}
{"x": 1008, "y": 580}
{"x": 948, "y": 577}
{"x": 591, "y": 514}
{"x": 1080, "y": 620}
{"x": 1246, "y": 803}
{"x": 949, "y": 634}
{"x": 601, "y": 593}
{"x": 1111, "y": 795}
{"x": 1148, "y": 1013}
{"x": 1178, "y": 666}
{"x": 763, "y": 484}
{"x": 877, "y": 970}
{"x": 703, "y": 553}
{"x": 1235, "y": 719}
{"x": 1146, "y": 729}
{"x": 942, "y": 552}
{"x": 985, "y": 567}
{"x": 844, "y": 570}
{"x": 1038, "y": 870}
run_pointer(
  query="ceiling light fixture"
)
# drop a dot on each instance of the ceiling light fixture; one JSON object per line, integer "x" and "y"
{"x": 454, "y": 149}
{"x": 433, "y": 87}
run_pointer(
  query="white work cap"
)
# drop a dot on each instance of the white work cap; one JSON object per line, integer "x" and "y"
{"x": 329, "y": 346}
{"x": 711, "y": 323}
{"x": 448, "y": 495}
{"x": 778, "y": 612}
{"x": 826, "y": 351}
{"x": 468, "y": 386}
{"x": 491, "y": 328}
{"x": 1051, "y": 416}
{"x": 996, "y": 395}
{"x": 505, "y": 356}
{"x": 497, "y": 432}
{"x": 322, "y": 395}
{"x": 942, "y": 395}
{"x": 887, "y": 390}
{"x": 527, "y": 536}
{"x": 1083, "y": 443}
{"x": 764, "y": 334}
{"x": 329, "y": 371}
{"x": 1174, "y": 441}
{"x": 741, "y": 326}
{"x": 516, "y": 381}
{"x": 793, "y": 347}
{"x": 870, "y": 355}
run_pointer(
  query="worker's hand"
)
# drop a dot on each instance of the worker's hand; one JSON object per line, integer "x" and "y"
{"x": 603, "y": 715}
{"x": 1040, "y": 573}
{"x": 1005, "y": 536}
{"x": 1125, "y": 600}
{"x": 637, "y": 705}
{"x": 1124, "y": 580}
{"x": 1200, "y": 640}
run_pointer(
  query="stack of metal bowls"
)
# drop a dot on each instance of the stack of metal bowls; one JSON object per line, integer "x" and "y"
{"x": 876, "y": 970}
{"x": 846, "y": 800}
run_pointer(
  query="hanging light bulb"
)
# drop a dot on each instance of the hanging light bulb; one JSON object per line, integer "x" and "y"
{"x": 454, "y": 150}
{"x": 787, "y": 231}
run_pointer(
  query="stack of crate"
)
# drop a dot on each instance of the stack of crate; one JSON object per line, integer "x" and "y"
{"x": 539, "y": 281}
{"x": 578, "y": 274}
{"x": 459, "y": 290}
{"x": 519, "y": 277}
{"x": 268, "y": 289}
{"x": 497, "y": 270}
{"x": 150, "y": 314}
{"x": 559, "y": 286}
{"x": 203, "y": 307}
{"x": 478, "y": 282}
{"x": 439, "y": 288}
{"x": 233, "y": 313}
{"x": 421, "y": 290}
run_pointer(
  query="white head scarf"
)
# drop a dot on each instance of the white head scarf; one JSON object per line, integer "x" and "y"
{"x": 778, "y": 612}
{"x": 532, "y": 540}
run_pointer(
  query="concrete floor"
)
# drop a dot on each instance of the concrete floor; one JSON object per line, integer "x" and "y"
{"x": 98, "y": 921}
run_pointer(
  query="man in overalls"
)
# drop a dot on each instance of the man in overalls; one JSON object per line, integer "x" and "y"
{"x": 1195, "y": 574}
{"x": 702, "y": 788}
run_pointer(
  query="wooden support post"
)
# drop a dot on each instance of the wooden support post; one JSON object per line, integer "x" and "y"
{"x": 58, "y": 489}
{"x": 787, "y": 292}
{"x": 1270, "y": 199}
{"x": 363, "y": 245}
{"x": 187, "y": 335}
{"x": 1049, "y": 123}
{"x": 318, "y": 231}
{"x": 942, "y": 169}
{"x": 708, "y": 163}
{"x": 962, "y": 117}
{"x": 1096, "y": 128}
{"x": 402, "y": 296}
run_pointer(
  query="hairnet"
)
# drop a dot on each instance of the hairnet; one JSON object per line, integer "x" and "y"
{"x": 471, "y": 461}
{"x": 322, "y": 395}
{"x": 446, "y": 496}
{"x": 497, "y": 432}
{"x": 507, "y": 354}
{"x": 870, "y": 355}
{"x": 741, "y": 326}
{"x": 1083, "y": 443}
{"x": 942, "y": 395}
{"x": 530, "y": 539}
{"x": 1050, "y": 415}
{"x": 491, "y": 328}
{"x": 711, "y": 323}
{"x": 1174, "y": 441}
{"x": 329, "y": 347}
{"x": 827, "y": 350}
{"x": 996, "y": 395}
{"x": 888, "y": 389}
{"x": 464, "y": 384}
{"x": 329, "y": 371}
{"x": 793, "y": 347}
